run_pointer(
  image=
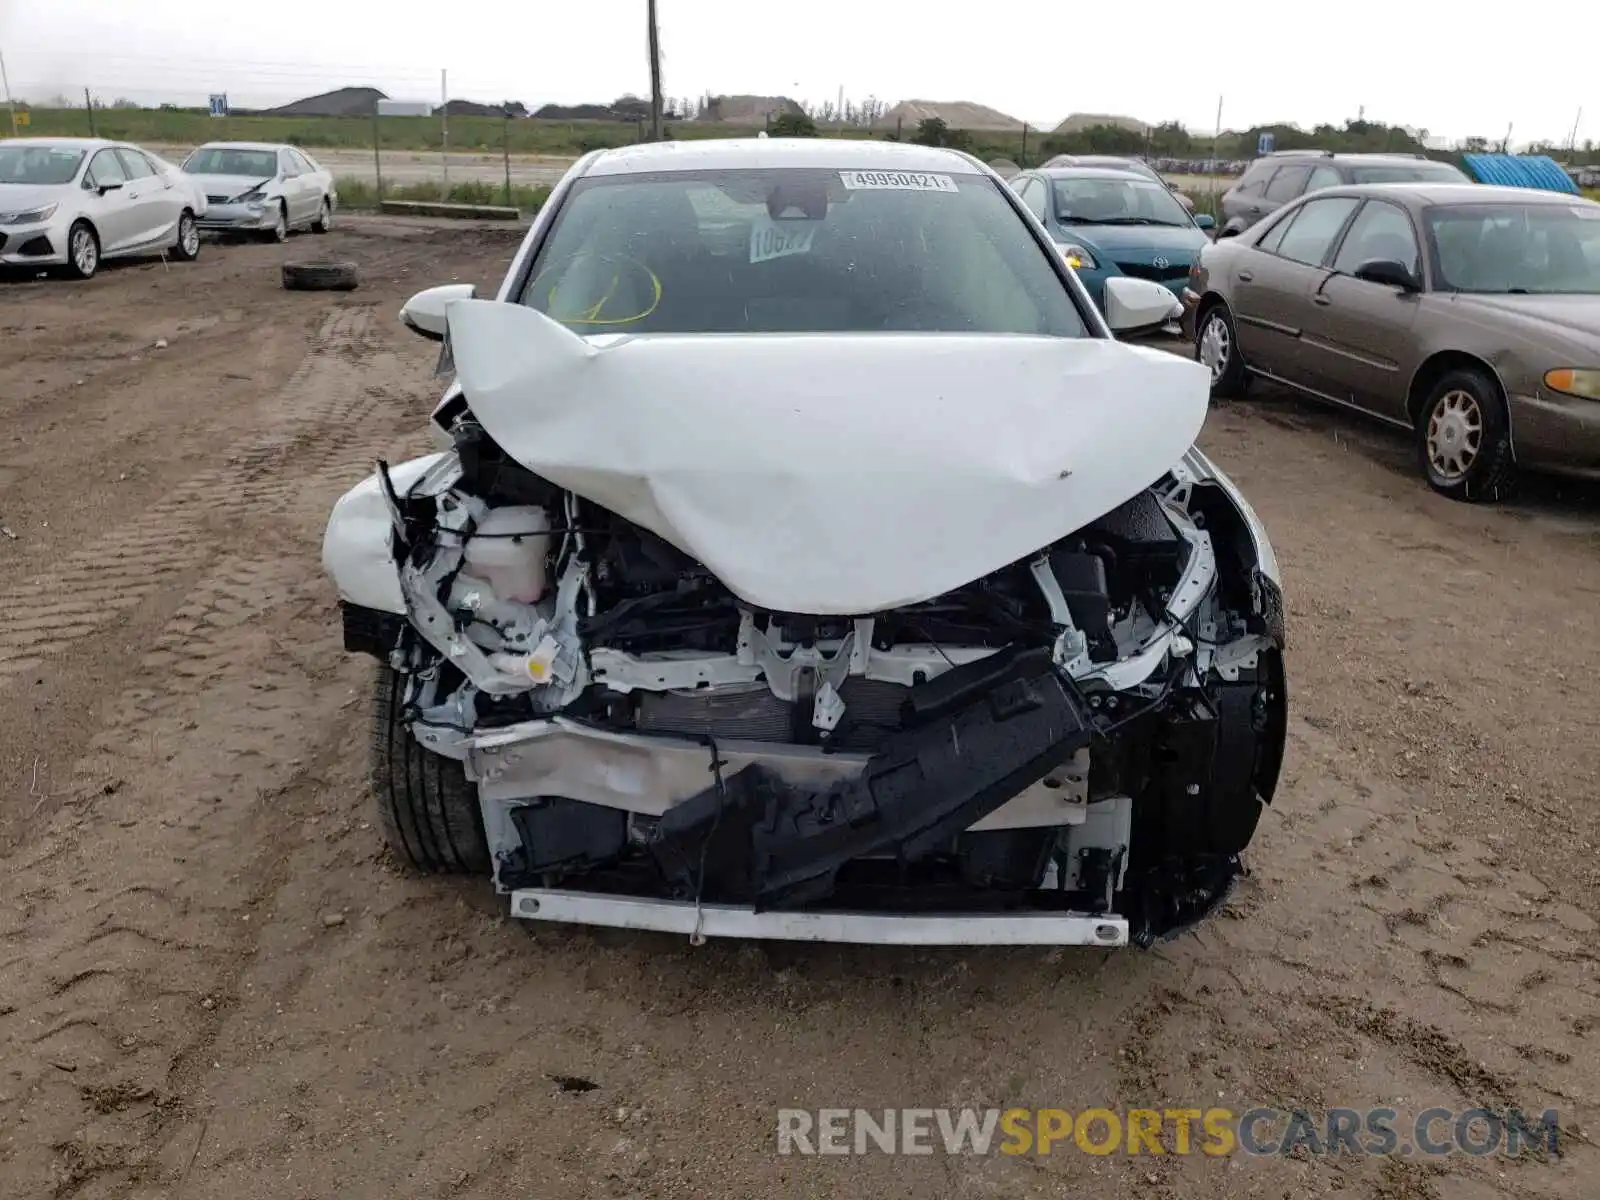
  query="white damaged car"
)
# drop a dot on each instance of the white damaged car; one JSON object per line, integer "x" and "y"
{"x": 807, "y": 559}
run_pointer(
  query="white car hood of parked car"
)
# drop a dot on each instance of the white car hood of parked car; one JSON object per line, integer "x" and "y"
{"x": 25, "y": 197}
{"x": 832, "y": 474}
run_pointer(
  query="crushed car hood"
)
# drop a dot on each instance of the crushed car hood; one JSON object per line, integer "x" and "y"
{"x": 832, "y": 474}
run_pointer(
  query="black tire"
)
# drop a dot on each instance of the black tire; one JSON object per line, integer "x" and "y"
{"x": 1463, "y": 438}
{"x": 321, "y": 277}
{"x": 1232, "y": 379}
{"x": 324, "y": 221}
{"x": 187, "y": 248}
{"x": 426, "y": 805}
{"x": 79, "y": 266}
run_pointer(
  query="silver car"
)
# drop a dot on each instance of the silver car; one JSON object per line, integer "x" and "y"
{"x": 74, "y": 202}
{"x": 257, "y": 187}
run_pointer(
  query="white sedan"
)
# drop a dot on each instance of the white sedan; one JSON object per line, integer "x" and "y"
{"x": 261, "y": 188}
{"x": 811, "y": 561}
{"x": 75, "y": 202}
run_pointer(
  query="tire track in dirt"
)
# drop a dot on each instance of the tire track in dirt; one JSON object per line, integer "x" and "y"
{"x": 324, "y": 409}
{"x": 1378, "y": 951}
{"x": 143, "y": 955}
{"x": 201, "y": 763}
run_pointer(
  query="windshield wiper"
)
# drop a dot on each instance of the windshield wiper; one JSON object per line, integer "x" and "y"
{"x": 1131, "y": 221}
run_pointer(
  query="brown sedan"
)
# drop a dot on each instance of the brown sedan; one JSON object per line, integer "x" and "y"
{"x": 1467, "y": 315}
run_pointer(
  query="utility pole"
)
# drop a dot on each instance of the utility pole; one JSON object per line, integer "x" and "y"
{"x": 5, "y": 82}
{"x": 1215, "y": 165}
{"x": 88, "y": 103}
{"x": 505, "y": 150}
{"x": 655, "y": 74}
{"x": 444, "y": 127}
{"x": 377, "y": 151}
{"x": 1572, "y": 142}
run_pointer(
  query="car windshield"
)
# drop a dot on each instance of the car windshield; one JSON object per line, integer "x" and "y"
{"x": 1088, "y": 201}
{"x": 1517, "y": 248}
{"x": 42, "y": 165}
{"x": 1418, "y": 172}
{"x": 797, "y": 250}
{"x": 221, "y": 160}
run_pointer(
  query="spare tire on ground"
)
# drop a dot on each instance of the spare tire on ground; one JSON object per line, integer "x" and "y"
{"x": 321, "y": 277}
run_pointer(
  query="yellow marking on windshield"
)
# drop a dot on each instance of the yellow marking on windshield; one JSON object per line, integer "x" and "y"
{"x": 592, "y": 316}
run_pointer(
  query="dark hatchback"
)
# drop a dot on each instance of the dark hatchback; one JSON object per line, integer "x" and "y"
{"x": 1276, "y": 179}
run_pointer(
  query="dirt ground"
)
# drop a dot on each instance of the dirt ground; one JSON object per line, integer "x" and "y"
{"x": 213, "y": 982}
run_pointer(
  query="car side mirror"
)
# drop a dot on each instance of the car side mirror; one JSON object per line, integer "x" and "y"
{"x": 103, "y": 188}
{"x": 1227, "y": 231}
{"x": 1205, "y": 220}
{"x": 1139, "y": 305}
{"x": 1388, "y": 273}
{"x": 425, "y": 313}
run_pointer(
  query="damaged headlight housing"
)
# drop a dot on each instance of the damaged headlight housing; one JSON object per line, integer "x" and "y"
{"x": 1575, "y": 381}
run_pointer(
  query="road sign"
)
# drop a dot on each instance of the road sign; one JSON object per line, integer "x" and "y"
{"x": 23, "y": 119}
{"x": 219, "y": 104}
{"x": 1264, "y": 143}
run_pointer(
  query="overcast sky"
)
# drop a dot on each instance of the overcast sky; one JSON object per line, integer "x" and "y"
{"x": 1453, "y": 70}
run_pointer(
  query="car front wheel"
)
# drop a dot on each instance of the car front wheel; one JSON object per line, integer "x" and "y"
{"x": 1464, "y": 438}
{"x": 187, "y": 247}
{"x": 427, "y": 807}
{"x": 1216, "y": 347}
{"x": 324, "y": 221}
{"x": 83, "y": 251}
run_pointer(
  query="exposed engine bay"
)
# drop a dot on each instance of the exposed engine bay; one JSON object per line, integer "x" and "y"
{"x": 1090, "y": 730}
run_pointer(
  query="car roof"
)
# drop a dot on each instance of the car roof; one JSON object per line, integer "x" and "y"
{"x": 272, "y": 147}
{"x": 1100, "y": 160}
{"x": 1093, "y": 173}
{"x": 755, "y": 153}
{"x": 76, "y": 143}
{"x": 1344, "y": 156}
{"x": 1422, "y": 193}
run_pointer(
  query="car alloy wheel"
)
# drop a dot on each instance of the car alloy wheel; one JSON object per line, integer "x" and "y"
{"x": 85, "y": 251}
{"x": 324, "y": 218}
{"x": 188, "y": 236}
{"x": 280, "y": 227}
{"x": 1455, "y": 434}
{"x": 1216, "y": 344}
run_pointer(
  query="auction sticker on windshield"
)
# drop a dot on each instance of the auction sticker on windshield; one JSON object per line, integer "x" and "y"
{"x": 900, "y": 181}
{"x": 771, "y": 239}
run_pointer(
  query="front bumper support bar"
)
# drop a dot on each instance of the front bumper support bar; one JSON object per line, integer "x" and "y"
{"x": 876, "y": 929}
